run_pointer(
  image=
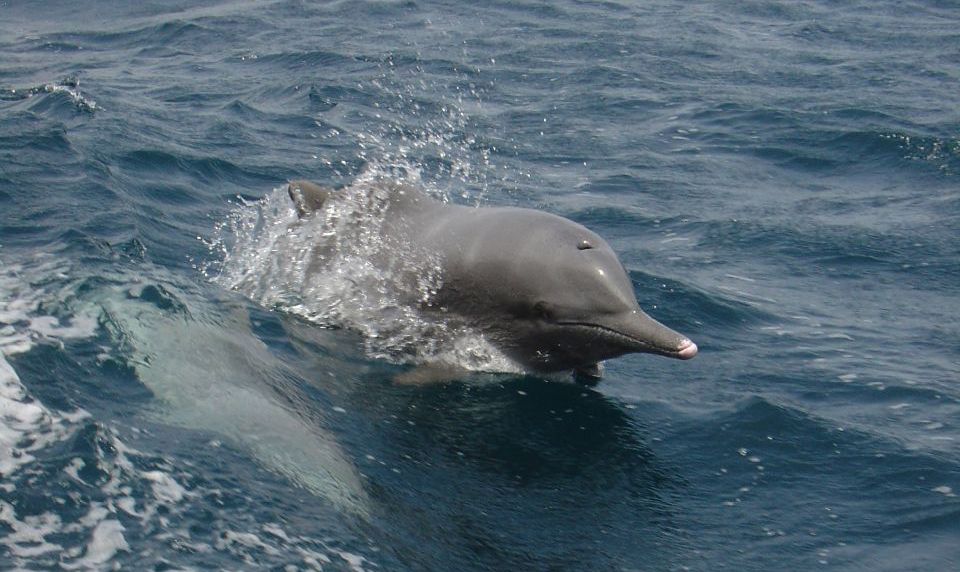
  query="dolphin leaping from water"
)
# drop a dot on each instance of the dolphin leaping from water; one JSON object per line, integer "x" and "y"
{"x": 548, "y": 292}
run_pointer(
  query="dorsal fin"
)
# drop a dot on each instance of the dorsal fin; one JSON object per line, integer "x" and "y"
{"x": 307, "y": 196}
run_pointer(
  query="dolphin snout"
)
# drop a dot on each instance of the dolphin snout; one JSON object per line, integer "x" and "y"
{"x": 650, "y": 336}
{"x": 687, "y": 350}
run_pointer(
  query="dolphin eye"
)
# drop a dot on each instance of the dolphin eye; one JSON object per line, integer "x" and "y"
{"x": 542, "y": 310}
{"x": 584, "y": 245}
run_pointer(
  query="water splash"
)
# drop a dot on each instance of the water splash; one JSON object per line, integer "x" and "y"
{"x": 69, "y": 86}
{"x": 337, "y": 268}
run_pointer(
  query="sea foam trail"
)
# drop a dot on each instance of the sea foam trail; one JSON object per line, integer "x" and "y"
{"x": 171, "y": 354}
{"x": 26, "y": 425}
{"x": 205, "y": 369}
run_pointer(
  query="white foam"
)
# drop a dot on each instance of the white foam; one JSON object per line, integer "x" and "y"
{"x": 106, "y": 541}
{"x": 101, "y": 523}
{"x": 49, "y": 326}
{"x": 368, "y": 284}
{"x": 28, "y": 536}
{"x": 353, "y": 560}
{"x": 738, "y": 277}
{"x": 73, "y": 469}
{"x": 25, "y": 425}
{"x": 128, "y": 505}
{"x": 275, "y": 530}
{"x": 165, "y": 487}
{"x": 245, "y": 539}
{"x": 133, "y": 502}
{"x": 22, "y": 289}
{"x": 72, "y": 89}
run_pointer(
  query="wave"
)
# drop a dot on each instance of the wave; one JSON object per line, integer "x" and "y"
{"x": 189, "y": 353}
{"x": 67, "y": 89}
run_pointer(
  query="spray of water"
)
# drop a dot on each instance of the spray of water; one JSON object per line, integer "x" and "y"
{"x": 337, "y": 268}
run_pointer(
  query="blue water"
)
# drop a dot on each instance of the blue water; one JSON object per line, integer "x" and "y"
{"x": 781, "y": 181}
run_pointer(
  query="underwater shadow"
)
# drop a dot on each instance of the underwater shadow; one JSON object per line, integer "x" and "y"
{"x": 494, "y": 471}
{"x": 522, "y": 473}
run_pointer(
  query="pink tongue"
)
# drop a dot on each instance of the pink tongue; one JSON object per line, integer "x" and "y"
{"x": 687, "y": 350}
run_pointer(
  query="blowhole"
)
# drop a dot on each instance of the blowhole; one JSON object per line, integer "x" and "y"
{"x": 584, "y": 245}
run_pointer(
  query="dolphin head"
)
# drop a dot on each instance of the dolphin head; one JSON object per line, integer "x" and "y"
{"x": 566, "y": 301}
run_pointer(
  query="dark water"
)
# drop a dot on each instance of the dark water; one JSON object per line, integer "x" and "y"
{"x": 781, "y": 180}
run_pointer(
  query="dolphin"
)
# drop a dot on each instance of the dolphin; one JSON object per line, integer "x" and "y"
{"x": 548, "y": 292}
{"x": 208, "y": 371}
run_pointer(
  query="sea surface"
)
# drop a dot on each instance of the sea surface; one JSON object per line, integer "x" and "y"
{"x": 780, "y": 179}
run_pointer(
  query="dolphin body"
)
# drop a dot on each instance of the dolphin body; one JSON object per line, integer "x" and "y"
{"x": 209, "y": 372}
{"x": 548, "y": 292}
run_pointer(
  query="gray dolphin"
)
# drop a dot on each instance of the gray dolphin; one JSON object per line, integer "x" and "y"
{"x": 548, "y": 292}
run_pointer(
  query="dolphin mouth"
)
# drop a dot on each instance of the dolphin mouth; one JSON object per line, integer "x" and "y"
{"x": 684, "y": 350}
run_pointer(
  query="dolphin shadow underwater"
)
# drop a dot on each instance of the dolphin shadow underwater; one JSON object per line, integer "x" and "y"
{"x": 547, "y": 292}
{"x": 497, "y": 476}
{"x": 494, "y": 471}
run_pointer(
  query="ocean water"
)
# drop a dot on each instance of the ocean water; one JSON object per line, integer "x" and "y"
{"x": 781, "y": 181}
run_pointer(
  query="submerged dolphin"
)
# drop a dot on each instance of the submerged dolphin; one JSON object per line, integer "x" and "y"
{"x": 209, "y": 372}
{"x": 546, "y": 291}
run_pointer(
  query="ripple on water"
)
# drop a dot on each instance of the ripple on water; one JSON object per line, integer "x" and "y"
{"x": 766, "y": 449}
